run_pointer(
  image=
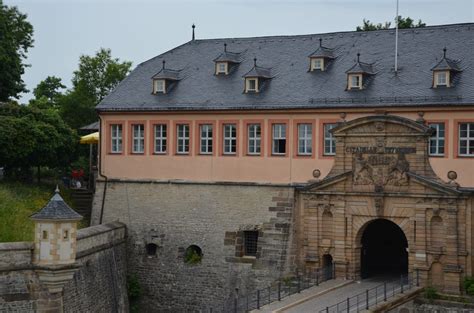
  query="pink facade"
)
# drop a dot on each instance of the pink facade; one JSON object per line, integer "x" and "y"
{"x": 263, "y": 167}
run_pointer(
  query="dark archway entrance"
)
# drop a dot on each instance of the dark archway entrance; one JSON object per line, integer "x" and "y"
{"x": 327, "y": 266}
{"x": 384, "y": 250}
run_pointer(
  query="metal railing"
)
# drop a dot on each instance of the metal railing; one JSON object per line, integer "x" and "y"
{"x": 375, "y": 295}
{"x": 275, "y": 292}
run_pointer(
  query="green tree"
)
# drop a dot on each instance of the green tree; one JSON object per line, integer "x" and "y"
{"x": 402, "y": 23}
{"x": 50, "y": 88}
{"x": 16, "y": 37}
{"x": 96, "y": 77}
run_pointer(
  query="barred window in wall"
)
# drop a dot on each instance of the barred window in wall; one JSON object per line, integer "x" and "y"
{"x": 138, "y": 138}
{"x": 437, "y": 139}
{"x": 250, "y": 243}
{"x": 230, "y": 138}
{"x": 182, "y": 146}
{"x": 305, "y": 139}
{"x": 329, "y": 140}
{"x": 116, "y": 132}
{"x": 279, "y": 139}
{"x": 466, "y": 139}
{"x": 206, "y": 139}
{"x": 254, "y": 138}
{"x": 160, "y": 138}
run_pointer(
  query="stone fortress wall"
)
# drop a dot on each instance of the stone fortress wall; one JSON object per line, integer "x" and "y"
{"x": 98, "y": 286}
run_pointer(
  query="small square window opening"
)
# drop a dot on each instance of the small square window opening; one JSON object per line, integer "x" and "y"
{"x": 250, "y": 243}
{"x": 159, "y": 86}
{"x": 251, "y": 85}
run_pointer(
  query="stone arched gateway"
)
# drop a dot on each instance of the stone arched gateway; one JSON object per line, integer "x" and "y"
{"x": 381, "y": 171}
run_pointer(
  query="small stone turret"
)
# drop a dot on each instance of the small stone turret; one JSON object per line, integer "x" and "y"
{"x": 55, "y": 248}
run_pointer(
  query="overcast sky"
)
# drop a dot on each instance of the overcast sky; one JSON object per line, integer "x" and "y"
{"x": 141, "y": 29}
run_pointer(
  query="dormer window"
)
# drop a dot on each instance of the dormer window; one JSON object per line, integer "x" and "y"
{"x": 321, "y": 58}
{"x": 256, "y": 78}
{"x": 358, "y": 76}
{"x": 221, "y": 68}
{"x": 444, "y": 72}
{"x": 317, "y": 64}
{"x": 355, "y": 81}
{"x": 251, "y": 85}
{"x": 165, "y": 80}
{"x": 159, "y": 86}
{"x": 226, "y": 62}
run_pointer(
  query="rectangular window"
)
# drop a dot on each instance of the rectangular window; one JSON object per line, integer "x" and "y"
{"x": 138, "y": 139}
{"x": 250, "y": 243}
{"x": 441, "y": 79}
{"x": 221, "y": 68}
{"x": 254, "y": 139}
{"x": 182, "y": 146}
{"x": 206, "y": 139}
{"x": 329, "y": 140}
{"x": 279, "y": 139}
{"x": 355, "y": 81}
{"x": 305, "y": 139}
{"x": 116, "y": 137}
{"x": 318, "y": 64}
{"x": 230, "y": 139}
{"x": 466, "y": 139}
{"x": 251, "y": 84}
{"x": 436, "y": 146}
{"x": 160, "y": 138}
{"x": 159, "y": 86}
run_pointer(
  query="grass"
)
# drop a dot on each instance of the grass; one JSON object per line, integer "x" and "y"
{"x": 17, "y": 202}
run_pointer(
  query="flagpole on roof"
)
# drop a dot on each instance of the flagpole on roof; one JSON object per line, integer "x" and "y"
{"x": 396, "y": 40}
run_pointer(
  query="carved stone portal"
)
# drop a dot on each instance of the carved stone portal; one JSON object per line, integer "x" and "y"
{"x": 380, "y": 170}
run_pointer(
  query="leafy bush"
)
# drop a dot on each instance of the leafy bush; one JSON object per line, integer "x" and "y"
{"x": 468, "y": 285}
{"x": 134, "y": 292}
{"x": 431, "y": 293}
{"x": 192, "y": 255}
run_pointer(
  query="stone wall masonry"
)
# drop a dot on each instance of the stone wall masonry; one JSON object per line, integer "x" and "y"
{"x": 176, "y": 215}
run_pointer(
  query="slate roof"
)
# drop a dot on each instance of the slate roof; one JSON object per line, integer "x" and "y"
{"x": 56, "y": 209}
{"x": 322, "y": 51}
{"x": 446, "y": 64}
{"x": 361, "y": 67}
{"x": 260, "y": 72}
{"x": 292, "y": 87}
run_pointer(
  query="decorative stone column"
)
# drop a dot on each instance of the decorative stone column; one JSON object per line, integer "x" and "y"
{"x": 55, "y": 249}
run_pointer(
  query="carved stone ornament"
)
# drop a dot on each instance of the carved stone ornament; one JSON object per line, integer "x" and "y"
{"x": 378, "y": 203}
{"x": 380, "y": 170}
{"x": 379, "y": 126}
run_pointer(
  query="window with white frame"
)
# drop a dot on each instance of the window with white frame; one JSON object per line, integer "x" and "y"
{"x": 329, "y": 140}
{"x": 182, "y": 139}
{"x": 161, "y": 138}
{"x": 230, "y": 138}
{"x": 437, "y": 139}
{"x": 138, "y": 138}
{"x": 441, "y": 78}
{"x": 116, "y": 138}
{"x": 355, "y": 81}
{"x": 317, "y": 64}
{"x": 466, "y": 139}
{"x": 279, "y": 139}
{"x": 305, "y": 139}
{"x": 251, "y": 85}
{"x": 254, "y": 138}
{"x": 221, "y": 68}
{"x": 160, "y": 86}
{"x": 206, "y": 138}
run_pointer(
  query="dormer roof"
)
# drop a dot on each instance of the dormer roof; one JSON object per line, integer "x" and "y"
{"x": 258, "y": 72}
{"x": 323, "y": 52}
{"x": 361, "y": 67}
{"x": 227, "y": 56}
{"x": 166, "y": 73}
{"x": 56, "y": 209}
{"x": 446, "y": 64}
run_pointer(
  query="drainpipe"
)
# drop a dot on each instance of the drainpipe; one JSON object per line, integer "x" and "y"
{"x": 100, "y": 171}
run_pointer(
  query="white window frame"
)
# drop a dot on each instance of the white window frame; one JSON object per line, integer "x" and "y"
{"x": 445, "y": 75}
{"x": 279, "y": 132}
{"x": 220, "y": 70}
{"x": 248, "y": 87}
{"x": 182, "y": 138}
{"x": 229, "y": 140}
{"x": 305, "y": 139}
{"x": 436, "y": 141}
{"x": 160, "y": 86}
{"x": 206, "y": 139}
{"x": 328, "y": 138}
{"x": 351, "y": 82}
{"x": 138, "y": 138}
{"x": 317, "y": 64}
{"x": 254, "y": 140}
{"x": 116, "y": 131}
{"x": 467, "y": 138}
{"x": 161, "y": 138}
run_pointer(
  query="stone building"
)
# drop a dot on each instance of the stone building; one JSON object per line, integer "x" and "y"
{"x": 238, "y": 161}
